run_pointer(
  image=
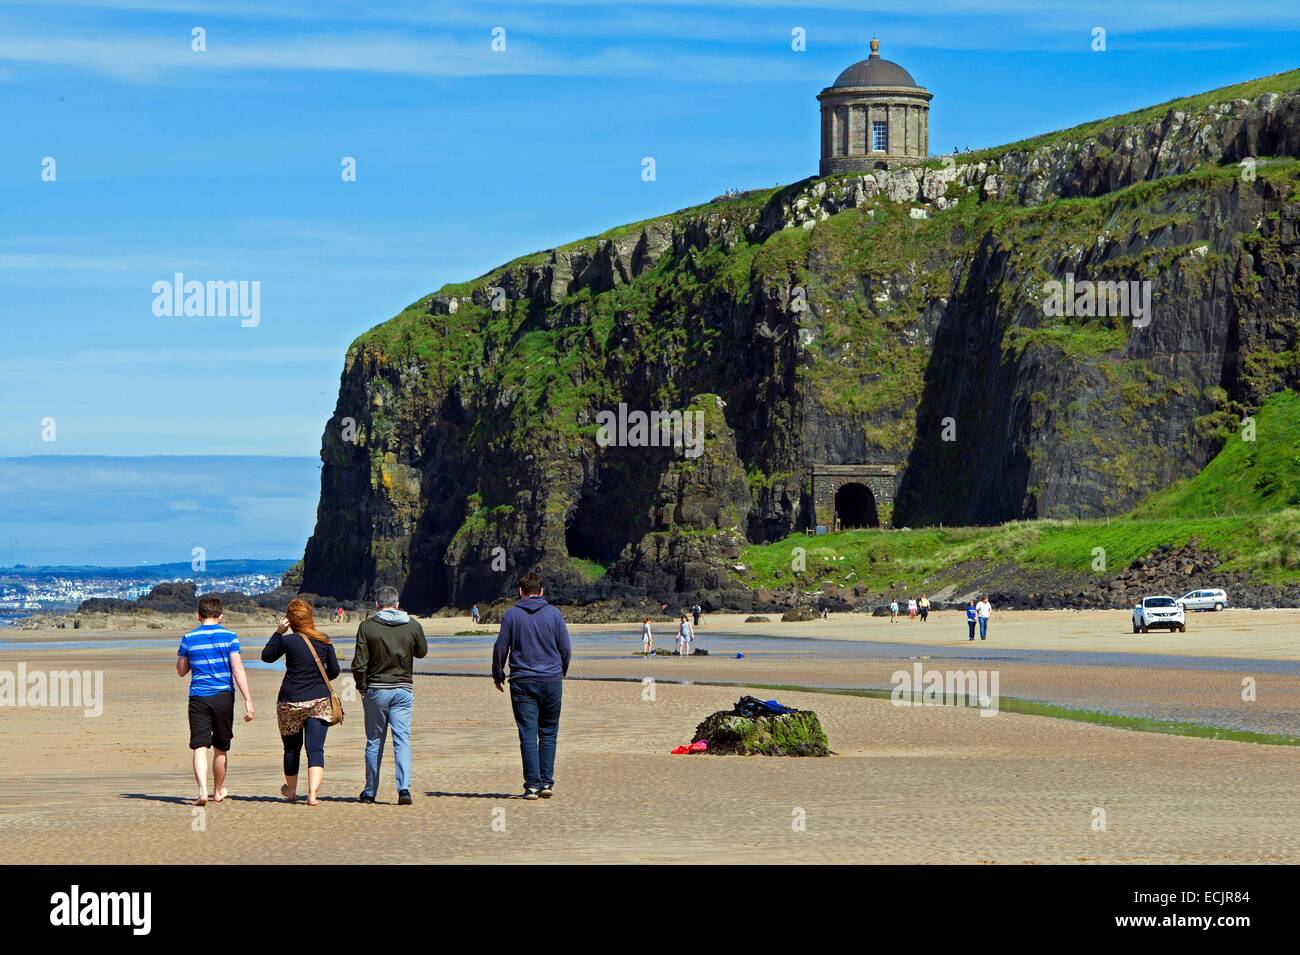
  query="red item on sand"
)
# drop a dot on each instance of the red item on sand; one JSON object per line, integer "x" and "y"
{"x": 699, "y": 746}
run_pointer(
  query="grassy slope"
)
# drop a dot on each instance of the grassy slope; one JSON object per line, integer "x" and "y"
{"x": 1242, "y": 505}
{"x": 1280, "y": 83}
{"x": 1246, "y": 476}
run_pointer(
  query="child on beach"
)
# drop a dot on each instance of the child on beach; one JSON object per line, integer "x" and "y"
{"x": 647, "y": 638}
{"x": 970, "y": 618}
{"x": 684, "y": 637}
{"x": 893, "y": 611}
{"x": 210, "y": 655}
{"x": 911, "y": 609}
{"x": 924, "y": 606}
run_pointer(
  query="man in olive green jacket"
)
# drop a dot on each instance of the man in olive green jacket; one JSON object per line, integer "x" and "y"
{"x": 387, "y": 645}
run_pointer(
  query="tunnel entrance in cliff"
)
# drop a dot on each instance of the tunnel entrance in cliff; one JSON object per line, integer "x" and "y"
{"x": 855, "y": 506}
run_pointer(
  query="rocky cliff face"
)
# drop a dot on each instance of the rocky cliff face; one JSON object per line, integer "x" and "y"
{"x": 896, "y": 318}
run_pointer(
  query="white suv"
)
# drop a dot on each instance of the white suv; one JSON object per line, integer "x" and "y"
{"x": 1159, "y": 613}
{"x": 1204, "y": 600}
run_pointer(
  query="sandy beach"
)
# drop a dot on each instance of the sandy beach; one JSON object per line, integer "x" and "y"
{"x": 907, "y": 783}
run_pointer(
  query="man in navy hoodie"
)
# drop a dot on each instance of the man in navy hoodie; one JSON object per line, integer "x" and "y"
{"x": 535, "y": 642}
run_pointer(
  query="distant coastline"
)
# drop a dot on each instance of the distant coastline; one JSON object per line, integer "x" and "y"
{"x": 29, "y": 590}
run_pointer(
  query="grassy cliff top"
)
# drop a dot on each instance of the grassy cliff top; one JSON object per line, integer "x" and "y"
{"x": 751, "y": 202}
{"x": 1281, "y": 83}
{"x": 747, "y": 206}
{"x": 744, "y": 204}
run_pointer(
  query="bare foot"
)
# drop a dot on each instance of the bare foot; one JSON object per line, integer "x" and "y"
{"x": 202, "y": 800}
{"x": 312, "y": 800}
{"x": 219, "y": 795}
{"x": 289, "y": 796}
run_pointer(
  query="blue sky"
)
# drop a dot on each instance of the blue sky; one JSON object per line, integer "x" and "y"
{"x": 225, "y": 164}
{"x": 123, "y": 511}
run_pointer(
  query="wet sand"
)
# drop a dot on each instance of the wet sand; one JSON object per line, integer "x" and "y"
{"x": 908, "y": 783}
{"x": 1250, "y": 634}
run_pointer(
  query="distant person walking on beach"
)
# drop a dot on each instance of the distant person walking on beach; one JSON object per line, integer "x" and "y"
{"x": 924, "y": 606}
{"x": 647, "y": 638}
{"x": 303, "y": 711}
{"x": 210, "y": 655}
{"x": 695, "y": 612}
{"x": 893, "y": 611}
{"x": 684, "y": 637}
{"x": 984, "y": 610}
{"x": 911, "y": 609}
{"x": 534, "y": 641}
{"x": 382, "y": 666}
{"x": 970, "y": 618}
{"x": 473, "y": 614}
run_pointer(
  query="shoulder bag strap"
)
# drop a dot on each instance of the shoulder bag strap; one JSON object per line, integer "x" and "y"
{"x": 328, "y": 685}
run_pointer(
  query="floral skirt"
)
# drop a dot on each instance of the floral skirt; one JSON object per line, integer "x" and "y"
{"x": 291, "y": 716}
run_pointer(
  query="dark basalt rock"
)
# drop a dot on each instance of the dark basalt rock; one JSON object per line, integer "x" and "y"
{"x": 461, "y": 450}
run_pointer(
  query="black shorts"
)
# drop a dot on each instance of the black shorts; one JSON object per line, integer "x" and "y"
{"x": 212, "y": 720}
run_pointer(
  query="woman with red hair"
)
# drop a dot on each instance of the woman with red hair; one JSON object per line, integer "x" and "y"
{"x": 303, "y": 711}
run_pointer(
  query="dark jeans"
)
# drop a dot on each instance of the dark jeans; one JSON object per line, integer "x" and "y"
{"x": 971, "y": 625}
{"x": 313, "y": 733}
{"x": 537, "y": 714}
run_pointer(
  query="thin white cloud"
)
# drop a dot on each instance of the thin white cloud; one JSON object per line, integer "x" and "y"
{"x": 63, "y": 262}
{"x": 599, "y": 39}
{"x": 115, "y": 359}
{"x": 698, "y": 18}
{"x": 149, "y": 58}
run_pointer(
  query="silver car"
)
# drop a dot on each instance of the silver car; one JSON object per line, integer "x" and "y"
{"x": 1204, "y": 600}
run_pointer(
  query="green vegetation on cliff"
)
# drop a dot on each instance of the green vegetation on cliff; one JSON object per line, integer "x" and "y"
{"x": 1280, "y": 83}
{"x": 841, "y": 320}
{"x": 1258, "y": 470}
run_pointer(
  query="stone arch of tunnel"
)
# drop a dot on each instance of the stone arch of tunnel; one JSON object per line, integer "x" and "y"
{"x": 855, "y": 506}
{"x": 833, "y": 488}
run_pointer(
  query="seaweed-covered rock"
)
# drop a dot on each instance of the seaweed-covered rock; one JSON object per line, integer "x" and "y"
{"x": 798, "y": 614}
{"x": 798, "y": 733}
{"x": 757, "y": 619}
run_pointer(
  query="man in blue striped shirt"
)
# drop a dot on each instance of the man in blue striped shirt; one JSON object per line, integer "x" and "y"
{"x": 210, "y": 655}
